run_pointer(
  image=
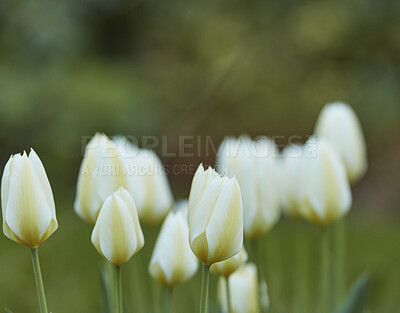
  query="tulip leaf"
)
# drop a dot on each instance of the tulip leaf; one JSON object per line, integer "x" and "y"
{"x": 357, "y": 296}
{"x": 7, "y": 310}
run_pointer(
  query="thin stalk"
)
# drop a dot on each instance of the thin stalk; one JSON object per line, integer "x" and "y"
{"x": 301, "y": 281}
{"x": 118, "y": 290}
{"x": 325, "y": 271}
{"x": 204, "y": 289}
{"x": 274, "y": 272}
{"x": 256, "y": 247}
{"x": 228, "y": 295}
{"x": 151, "y": 288}
{"x": 340, "y": 260}
{"x": 39, "y": 280}
{"x": 168, "y": 294}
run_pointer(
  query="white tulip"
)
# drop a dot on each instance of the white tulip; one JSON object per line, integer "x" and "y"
{"x": 29, "y": 215}
{"x": 326, "y": 194}
{"x": 243, "y": 291}
{"x": 117, "y": 234}
{"x": 243, "y": 285}
{"x": 253, "y": 163}
{"x": 147, "y": 182}
{"x": 215, "y": 216}
{"x": 102, "y": 172}
{"x": 173, "y": 262}
{"x": 339, "y": 124}
{"x": 227, "y": 267}
{"x": 291, "y": 172}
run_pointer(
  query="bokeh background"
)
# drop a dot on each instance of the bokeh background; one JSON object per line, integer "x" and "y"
{"x": 196, "y": 68}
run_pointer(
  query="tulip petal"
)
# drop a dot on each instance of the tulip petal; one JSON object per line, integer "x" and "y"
{"x": 339, "y": 124}
{"x": 202, "y": 213}
{"x": 326, "y": 196}
{"x": 130, "y": 203}
{"x": 155, "y": 181}
{"x": 225, "y": 228}
{"x": 169, "y": 251}
{"x": 117, "y": 237}
{"x": 5, "y": 186}
{"x": 109, "y": 172}
{"x": 41, "y": 173}
{"x": 200, "y": 182}
{"x": 87, "y": 202}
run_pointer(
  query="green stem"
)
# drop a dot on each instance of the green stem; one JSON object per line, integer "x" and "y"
{"x": 256, "y": 247}
{"x": 340, "y": 260}
{"x": 118, "y": 290}
{"x": 168, "y": 293}
{"x": 325, "y": 271}
{"x": 39, "y": 280}
{"x": 204, "y": 289}
{"x": 301, "y": 282}
{"x": 228, "y": 295}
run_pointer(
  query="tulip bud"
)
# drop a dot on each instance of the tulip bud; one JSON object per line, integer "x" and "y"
{"x": 253, "y": 164}
{"x": 173, "y": 262}
{"x": 29, "y": 215}
{"x": 147, "y": 182}
{"x": 227, "y": 267}
{"x": 291, "y": 172}
{"x": 215, "y": 216}
{"x": 102, "y": 172}
{"x": 243, "y": 291}
{"x": 117, "y": 234}
{"x": 326, "y": 194}
{"x": 339, "y": 124}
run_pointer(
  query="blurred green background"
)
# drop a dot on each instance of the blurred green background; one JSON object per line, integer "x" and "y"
{"x": 197, "y": 68}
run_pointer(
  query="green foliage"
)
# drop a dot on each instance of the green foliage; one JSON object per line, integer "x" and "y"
{"x": 357, "y": 297}
{"x": 70, "y": 269}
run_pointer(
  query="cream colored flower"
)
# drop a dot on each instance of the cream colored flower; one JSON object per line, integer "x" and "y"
{"x": 102, "y": 172}
{"x": 173, "y": 262}
{"x": 117, "y": 234}
{"x": 253, "y": 163}
{"x": 29, "y": 215}
{"x": 326, "y": 194}
{"x": 243, "y": 291}
{"x": 339, "y": 124}
{"x": 215, "y": 216}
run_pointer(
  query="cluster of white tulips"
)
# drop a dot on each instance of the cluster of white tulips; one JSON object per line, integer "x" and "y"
{"x": 120, "y": 186}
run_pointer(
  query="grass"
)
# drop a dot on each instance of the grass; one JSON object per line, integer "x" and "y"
{"x": 70, "y": 268}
